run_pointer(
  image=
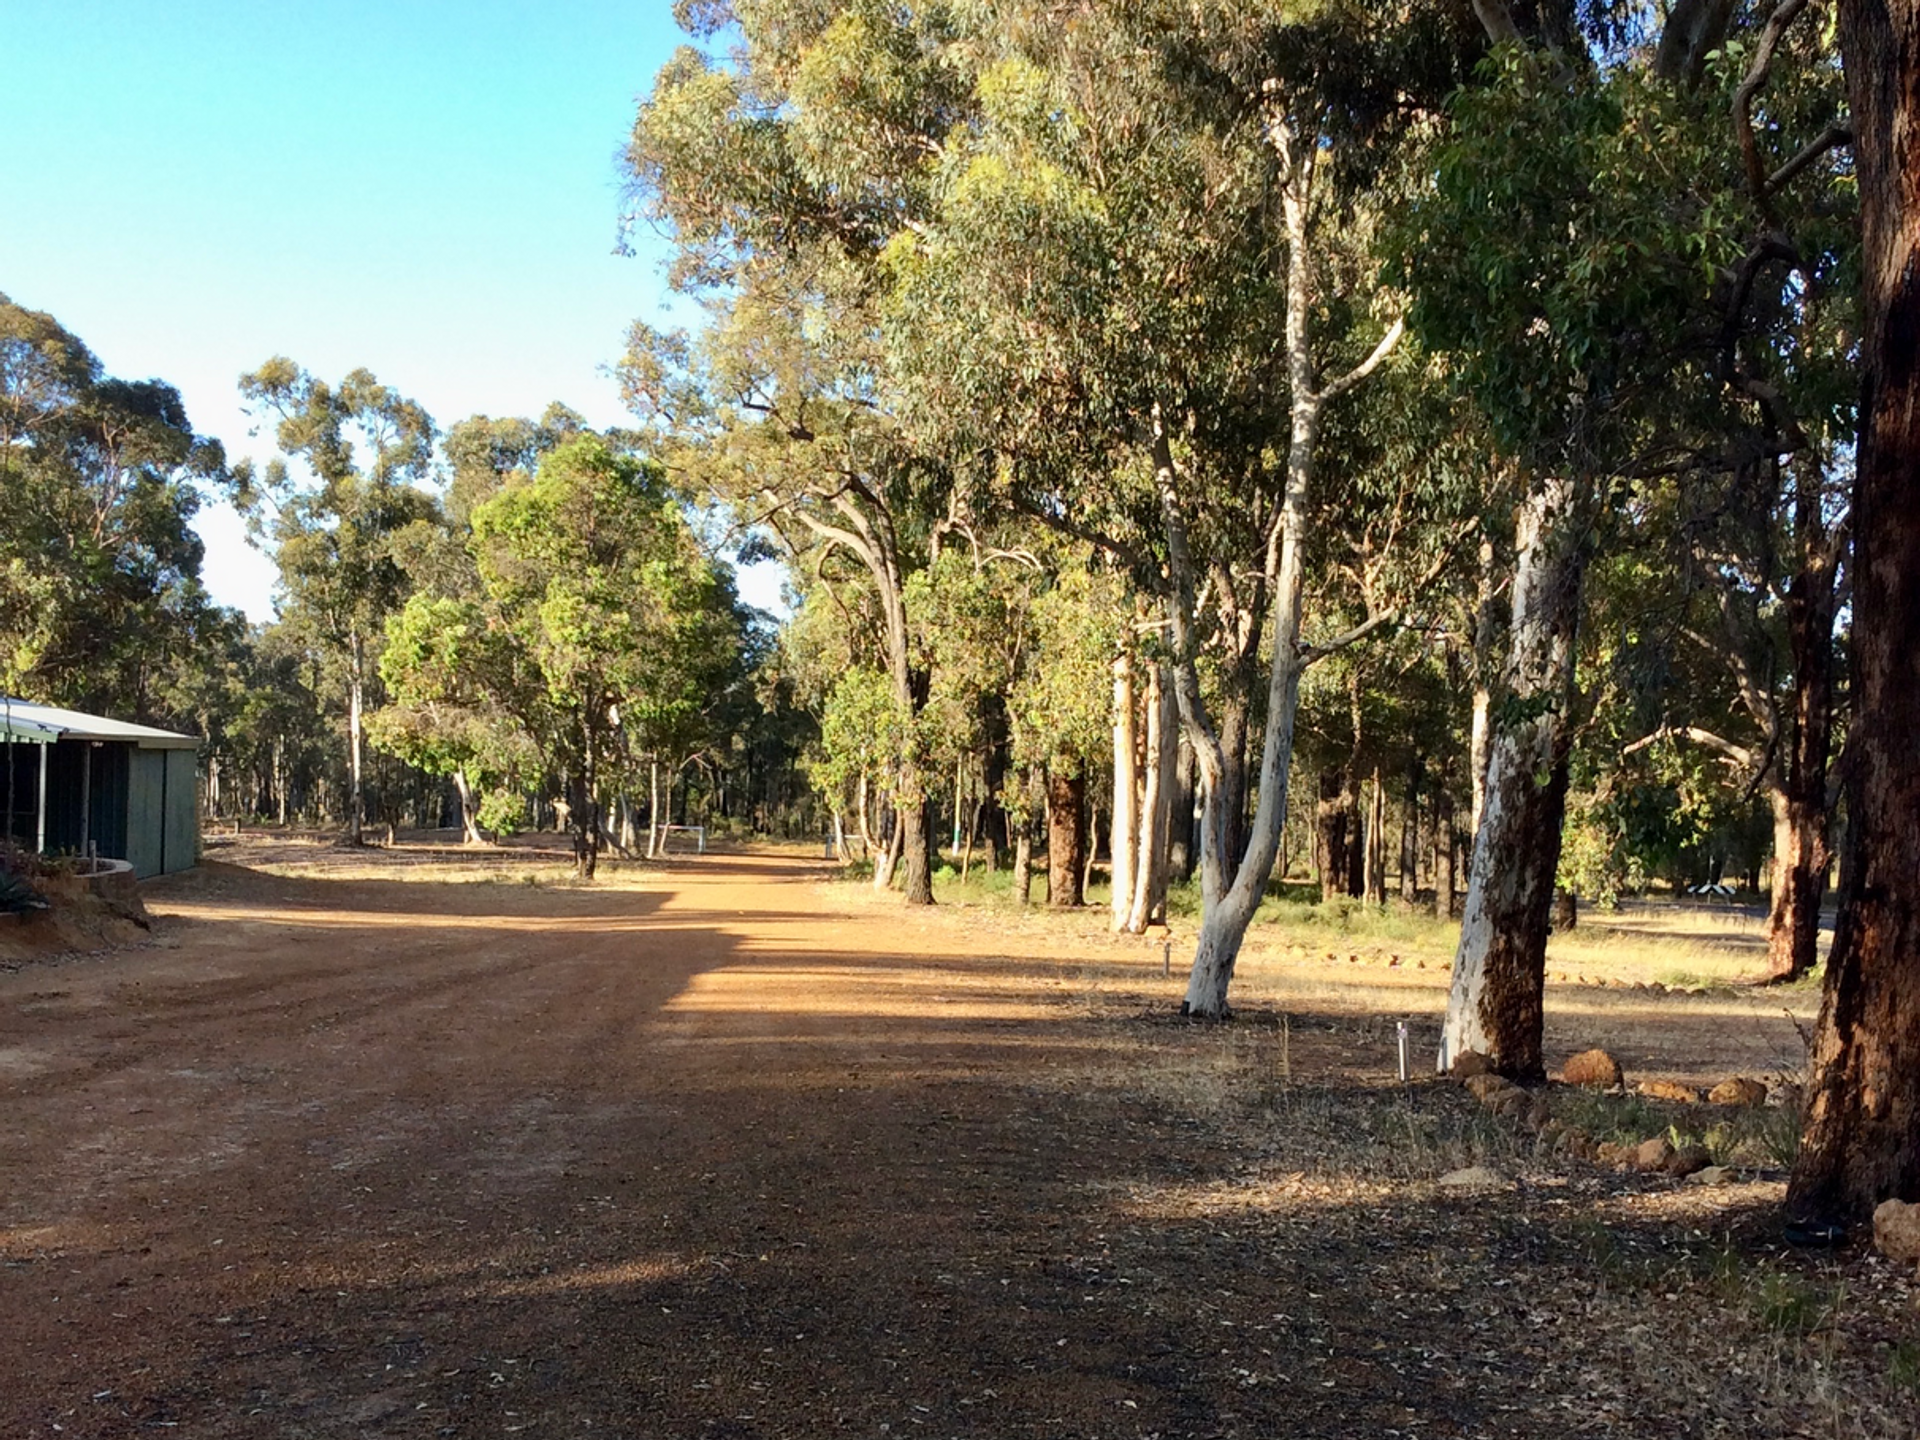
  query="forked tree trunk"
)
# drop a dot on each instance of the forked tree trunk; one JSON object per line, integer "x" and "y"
{"x": 1233, "y": 883}
{"x": 1861, "y": 1140}
{"x": 1125, "y": 816}
{"x": 1499, "y": 969}
{"x": 1066, "y": 838}
{"x": 866, "y": 829}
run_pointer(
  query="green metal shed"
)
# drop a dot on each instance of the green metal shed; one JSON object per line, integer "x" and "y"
{"x": 74, "y": 784}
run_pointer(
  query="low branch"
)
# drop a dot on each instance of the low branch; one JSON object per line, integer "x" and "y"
{"x": 1832, "y": 137}
{"x": 1367, "y": 366}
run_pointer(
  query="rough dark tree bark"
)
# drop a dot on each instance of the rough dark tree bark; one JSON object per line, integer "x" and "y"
{"x": 1066, "y": 838}
{"x": 1861, "y": 1141}
{"x": 1330, "y": 834}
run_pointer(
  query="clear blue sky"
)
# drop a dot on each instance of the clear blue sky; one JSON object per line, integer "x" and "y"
{"x": 430, "y": 190}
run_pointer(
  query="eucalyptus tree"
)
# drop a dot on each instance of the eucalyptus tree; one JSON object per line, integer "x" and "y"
{"x": 101, "y": 604}
{"x": 603, "y": 621}
{"x": 1587, "y": 288}
{"x": 1145, "y": 289}
{"x": 779, "y": 174}
{"x": 1861, "y": 1142}
{"x": 368, "y": 451}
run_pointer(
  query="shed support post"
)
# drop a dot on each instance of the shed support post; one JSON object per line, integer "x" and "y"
{"x": 40, "y": 825}
{"x": 86, "y": 800}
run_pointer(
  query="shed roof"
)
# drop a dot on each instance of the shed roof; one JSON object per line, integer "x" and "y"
{"x": 25, "y": 722}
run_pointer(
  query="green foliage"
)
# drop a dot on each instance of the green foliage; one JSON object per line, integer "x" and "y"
{"x": 101, "y": 605}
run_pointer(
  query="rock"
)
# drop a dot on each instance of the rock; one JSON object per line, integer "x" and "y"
{"x": 1896, "y": 1230}
{"x": 1669, "y": 1090}
{"x": 1713, "y": 1175}
{"x": 1487, "y": 1083}
{"x": 1652, "y": 1154}
{"x": 1656, "y": 988}
{"x": 1508, "y": 1104}
{"x": 1592, "y": 1067}
{"x": 1469, "y": 1063}
{"x": 1475, "y": 1179}
{"x": 1738, "y": 1091}
{"x": 1688, "y": 1160}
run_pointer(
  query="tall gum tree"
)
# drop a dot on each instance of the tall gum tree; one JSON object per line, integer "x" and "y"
{"x": 1110, "y": 300}
{"x": 1563, "y": 278}
{"x": 779, "y": 176}
{"x": 368, "y": 449}
{"x": 1861, "y": 1138}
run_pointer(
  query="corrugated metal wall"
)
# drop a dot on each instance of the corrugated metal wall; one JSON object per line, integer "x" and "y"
{"x": 145, "y": 805}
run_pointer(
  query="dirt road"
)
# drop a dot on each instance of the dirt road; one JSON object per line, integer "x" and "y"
{"x": 728, "y": 1154}
{"x": 384, "y": 1158}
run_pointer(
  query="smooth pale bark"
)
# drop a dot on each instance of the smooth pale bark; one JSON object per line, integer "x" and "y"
{"x": 469, "y": 811}
{"x": 870, "y": 537}
{"x": 1126, "y": 743}
{"x": 356, "y": 733}
{"x": 1486, "y": 625}
{"x": 1233, "y": 882}
{"x": 1160, "y": 753}
{"x": 889, "y": 856}
{"x": 1066, "y": 838}
{"x": 1156, "y": 804}
{"x": 1861, "y": 1138}
{"x": 1499, "y": 969}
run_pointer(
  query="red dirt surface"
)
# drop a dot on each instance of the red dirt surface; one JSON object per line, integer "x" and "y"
{"x": 723, "y": 1152}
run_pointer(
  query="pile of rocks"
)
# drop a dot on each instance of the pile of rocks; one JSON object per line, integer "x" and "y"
{"x": 1598, "y": 1070}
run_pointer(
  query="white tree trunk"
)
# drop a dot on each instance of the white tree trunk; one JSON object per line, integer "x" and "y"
{"x": 1124, "y": 813}
{"x": 469, "y": 820}
{"x": 356, "y": 684}
{"x": 1229, "y": 902}
{"x": 1494, "y": 1003}
{"x": 653, "y": 808}
{"x": 1156, "y": 805}
{"x": 1485, "y": 623}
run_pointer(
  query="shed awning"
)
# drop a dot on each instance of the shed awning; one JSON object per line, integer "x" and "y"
{"x": 26, "y": 723}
